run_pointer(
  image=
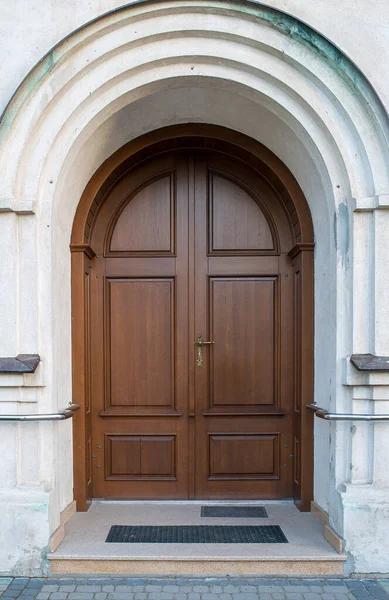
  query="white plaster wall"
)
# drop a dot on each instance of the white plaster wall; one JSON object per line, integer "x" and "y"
{"x": 322, "y": 153}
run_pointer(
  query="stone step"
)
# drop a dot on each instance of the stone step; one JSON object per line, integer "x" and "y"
{"x": 205, "y": 566}
{"x": 84, "y": 549}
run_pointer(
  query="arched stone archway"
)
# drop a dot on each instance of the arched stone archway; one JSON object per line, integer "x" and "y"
{"x": 239, "y": 65}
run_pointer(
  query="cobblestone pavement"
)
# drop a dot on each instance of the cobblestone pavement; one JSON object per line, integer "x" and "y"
{"x": 178, "y": 588}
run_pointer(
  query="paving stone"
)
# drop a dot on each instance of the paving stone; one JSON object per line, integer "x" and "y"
{"x": 43, "y": 596}
{"x": 29, "y": 591}
{"x": 67, "y": 588}
{"x": 171, "y": 588}
{"x": 15, "y": 585}
{"x": 194, "y": 596}
{"x": 243, "y": 596}
{"x": 89, "y": 589}
{"x": 224, "y": 596}
{"x": 119, "y": 596}
{"x": 81, "y": 596}
{"x": 332, "y": 589}
{"x": 311, "y": 596}
{"x": 201, "y": 589}
{"x": 152, "y": 588}
{"x": 328, "y": 596}
{"x": 13, "y": 593}
{"x": 277, "y": 596}
{"x": 210, "y": 596}
{"x": 58, "y": 596}
{"x": 50, "y": 588}
{"x": 161, "y": 596}
{"x": 108, "y": 588}
{"x": 100, "y": 596}
{"x": 295, "y": 588}
{"x": 140, "y": 596}
{"x": 293, "y": 595}
{"x": 248, "y": 588}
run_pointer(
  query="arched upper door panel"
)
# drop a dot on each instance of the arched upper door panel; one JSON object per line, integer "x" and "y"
{"x": 246, "y": 216}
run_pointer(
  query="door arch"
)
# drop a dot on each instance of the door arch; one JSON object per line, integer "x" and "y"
{"x": 160, "y": 225}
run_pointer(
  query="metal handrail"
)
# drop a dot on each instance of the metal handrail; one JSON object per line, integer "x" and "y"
{"x": 322, "y": 413}
{"x": 61, "y": 415}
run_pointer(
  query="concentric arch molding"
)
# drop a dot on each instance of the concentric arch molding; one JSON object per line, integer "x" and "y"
{"x": 146, "y": 47}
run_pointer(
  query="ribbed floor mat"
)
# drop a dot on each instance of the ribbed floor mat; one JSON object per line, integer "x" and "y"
{"x": 242, "y": 512}
{"x": 197, "y": 534}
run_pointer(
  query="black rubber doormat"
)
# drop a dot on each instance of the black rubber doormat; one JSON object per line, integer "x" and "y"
{"x": 196, "y": 534}
{"x": 243, "y": 512}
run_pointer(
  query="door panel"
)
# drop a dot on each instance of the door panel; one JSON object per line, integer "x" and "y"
{"x": 147, "y": 222}
{"x": 242, "y": 360}
{"x": 192, "y": 243}
{"x": 140, "y": 342}
{"x": 236, "y": 222}
{"x": 244, "y": 456}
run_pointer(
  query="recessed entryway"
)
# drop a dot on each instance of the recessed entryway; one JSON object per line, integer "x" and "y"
{"x": 196, "y": 300}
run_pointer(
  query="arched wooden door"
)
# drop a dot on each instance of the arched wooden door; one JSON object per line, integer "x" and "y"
{"x": 190, "y": 242}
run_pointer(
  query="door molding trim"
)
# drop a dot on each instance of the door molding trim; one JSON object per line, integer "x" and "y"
{"x": 195, "y": 136}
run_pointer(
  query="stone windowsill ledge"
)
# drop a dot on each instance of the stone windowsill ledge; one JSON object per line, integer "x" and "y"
{"x": 365, "y": 370}
{"x": 22, "y": 363}
{"x": 23, "y": 370}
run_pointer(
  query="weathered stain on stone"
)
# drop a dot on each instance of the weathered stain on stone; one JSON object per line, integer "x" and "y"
{"x": 323, "y": 47}
{"x": 26, "y": 88}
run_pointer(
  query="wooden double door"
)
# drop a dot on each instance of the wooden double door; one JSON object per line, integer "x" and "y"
{"x": 192, "y": 243}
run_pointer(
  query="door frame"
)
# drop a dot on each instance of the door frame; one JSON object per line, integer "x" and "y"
{"x": 301, "y": 254}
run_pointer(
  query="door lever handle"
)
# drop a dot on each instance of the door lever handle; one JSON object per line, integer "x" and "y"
{"x": 199, "y": 343}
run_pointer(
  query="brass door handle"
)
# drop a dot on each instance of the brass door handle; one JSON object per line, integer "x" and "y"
{"x": 199, "y": 343}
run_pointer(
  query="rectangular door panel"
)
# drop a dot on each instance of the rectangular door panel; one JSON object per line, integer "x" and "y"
{"x": 140, "y": 343}
{"x": 244, "y": 456}
{"x": 244, "y": 355}
{"x": 140, "y": 457}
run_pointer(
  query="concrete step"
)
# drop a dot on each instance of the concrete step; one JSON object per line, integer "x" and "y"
{"x": 84, "y": 550}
